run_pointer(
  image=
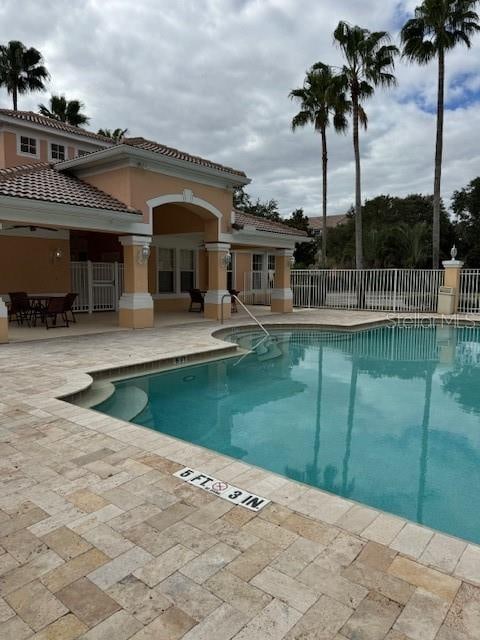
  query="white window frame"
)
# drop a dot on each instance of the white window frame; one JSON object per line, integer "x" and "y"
{"x": 24, "y": 153}
{"x": 177, "y": 293}
{"x": 50, "y": 151}
{"x": 267, "y": 275}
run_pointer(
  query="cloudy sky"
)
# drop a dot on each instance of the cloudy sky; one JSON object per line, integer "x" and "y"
{"x": 212, "y": 77}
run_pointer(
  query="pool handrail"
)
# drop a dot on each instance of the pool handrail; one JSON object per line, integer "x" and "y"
{"x": 232, "y": 295}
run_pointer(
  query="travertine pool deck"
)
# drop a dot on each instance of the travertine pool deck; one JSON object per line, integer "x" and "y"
{"x": 99, "y": 541}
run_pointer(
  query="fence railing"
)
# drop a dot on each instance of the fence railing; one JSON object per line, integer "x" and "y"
{"x": 367, "y": 289}
{"x": 99, "y": 285}
{"x": 469, "y": 298}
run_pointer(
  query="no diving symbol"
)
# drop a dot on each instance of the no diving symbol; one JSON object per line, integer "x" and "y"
{"x": 218, "y": 486}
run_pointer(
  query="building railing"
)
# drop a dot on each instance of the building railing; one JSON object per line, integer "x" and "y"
{"x": 257, "y": 287}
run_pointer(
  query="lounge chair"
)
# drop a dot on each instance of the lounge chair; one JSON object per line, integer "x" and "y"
{"x": 20, "y": 307}
{"x": 196, "y": 297}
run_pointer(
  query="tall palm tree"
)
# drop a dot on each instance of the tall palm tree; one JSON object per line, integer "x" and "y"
{"x": 21, "y": 70}
{"x": 69, "y": 111}
{"x": 437, "y": 27}
{"x": 116, "y": 135}
{"x": 321, "y": 99}
{"x": 369, "y": 62}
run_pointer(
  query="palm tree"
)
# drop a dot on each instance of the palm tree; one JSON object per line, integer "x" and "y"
{"x": 21, "y": 70}
{"x": 321, "y": 99}
{"x": 414, "y": 243}
{"x": 438, "y": 26}
{"x": 116, "y": 135}
{"x": 64, "y": 110}
{"x": 369, "y": 62}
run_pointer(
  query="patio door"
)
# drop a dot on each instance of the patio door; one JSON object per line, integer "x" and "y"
{"x": 99, "y": 285}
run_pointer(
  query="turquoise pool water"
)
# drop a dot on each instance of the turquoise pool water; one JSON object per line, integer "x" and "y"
{"x": 389, "y": 417}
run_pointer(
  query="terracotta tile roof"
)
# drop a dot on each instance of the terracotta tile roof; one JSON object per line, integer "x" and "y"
{"x": 262, "y": 224}
{"x": 43, "y": 182}
{"x": 170, "y": 152}
{"x": 316, "y": 222}
{"x": 44, "y": 121}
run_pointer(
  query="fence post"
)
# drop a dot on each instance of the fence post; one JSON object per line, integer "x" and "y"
{"x": 395, "y": 279}
{"x": 116, "y": 282}
{"x": 90, "y": 285}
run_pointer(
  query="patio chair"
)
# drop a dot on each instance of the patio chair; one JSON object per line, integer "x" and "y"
{"x": 69, "y": 301}
{"x": 20, "y": 307}
{"x": 196, "y": 298}
{"x": 234, "y": 292}
{"x": 57, "y": 306}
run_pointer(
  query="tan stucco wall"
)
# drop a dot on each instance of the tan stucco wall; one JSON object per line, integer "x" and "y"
{"x": 136, "y": 186}
{"x": 172, "y": 304}
{"x": 26, "y": 264}
{"x": 173, "y": 218}
{"x": 8, "y": 147}
{"x": 243, "y": 264}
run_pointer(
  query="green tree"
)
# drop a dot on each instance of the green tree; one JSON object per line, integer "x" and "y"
{"x": 21, "y": 70}
{"x": 466, "y": 208}
{"x": 413, "y": 239}
{"x": 305, "y": 253}
{"x": 69, "y": 111}
{"x": 116, "y": 135}
{"x": 437, "y": 27}
{"x": 267, "y": 209}
{"x": 321, "y": 100}
{"x": 369, "y": 60}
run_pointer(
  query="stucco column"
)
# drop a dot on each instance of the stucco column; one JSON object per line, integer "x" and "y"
{"x": 136, "y": 303}
{"x": 282, "y": 296}
{"x": 217, "y": 253}
{"x": 3, "y": 322}
{"x": 451, "y": 278}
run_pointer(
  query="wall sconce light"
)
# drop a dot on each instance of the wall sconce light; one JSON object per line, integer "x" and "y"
{"x": 143, "y": 254}
{"x": 57, "y": 254}
{"x": 292, "y": 260}
{"x": 227, "y": 260}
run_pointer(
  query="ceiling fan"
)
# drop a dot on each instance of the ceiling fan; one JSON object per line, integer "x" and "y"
{"x": 31, "y": 227}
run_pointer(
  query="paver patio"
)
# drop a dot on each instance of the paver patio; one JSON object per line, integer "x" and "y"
{"x": 99, "y": 541}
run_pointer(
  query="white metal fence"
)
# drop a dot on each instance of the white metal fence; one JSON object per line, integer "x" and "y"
{"x": 368, "y": 289}
{"x": 469, "y": 299}
{"x": 99, "y": 285}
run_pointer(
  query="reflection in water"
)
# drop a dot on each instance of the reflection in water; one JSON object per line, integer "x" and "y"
{"x": 388, "y": 417}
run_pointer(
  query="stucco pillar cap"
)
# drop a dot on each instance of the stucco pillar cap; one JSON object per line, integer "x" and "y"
{"x": 217, "y": 246}
{"x": 128, "y": 241}
{"x": 452, "y": 264}
{"x": 284, "y": 252}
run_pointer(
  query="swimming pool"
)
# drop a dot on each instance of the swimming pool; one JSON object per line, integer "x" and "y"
{"x": 389, "y": 417}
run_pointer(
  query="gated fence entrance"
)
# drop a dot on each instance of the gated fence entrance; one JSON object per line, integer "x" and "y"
{"x": 99, "y": 285}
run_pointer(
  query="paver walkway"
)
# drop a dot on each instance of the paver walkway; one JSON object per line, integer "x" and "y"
{"x": 99, "y": 541}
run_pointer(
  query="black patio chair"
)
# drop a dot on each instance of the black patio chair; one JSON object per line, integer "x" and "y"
{"x": 196, "y": 298}
{"x": 70, "y": 300}
{"x": 20, "y": 307}
{"x": 57, "y": 306}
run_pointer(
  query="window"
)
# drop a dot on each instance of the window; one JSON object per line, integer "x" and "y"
{"x": 187, "y": 270}
{"x": 271, "y": 262}
{"x": 166, "y": 270}
{"x": 57, "y": 151}
{"x": 28, "y": 145}
{"x": 257, "y": 269}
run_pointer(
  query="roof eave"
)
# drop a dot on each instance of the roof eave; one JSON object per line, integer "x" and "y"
{"x": 128, "y": 151}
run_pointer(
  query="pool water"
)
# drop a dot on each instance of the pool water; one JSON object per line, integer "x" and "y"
{"x": 389, "y": 417}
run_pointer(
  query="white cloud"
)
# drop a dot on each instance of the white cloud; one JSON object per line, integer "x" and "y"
{"x": 213, "y": 77}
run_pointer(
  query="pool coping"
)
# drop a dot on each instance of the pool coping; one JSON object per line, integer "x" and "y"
{"x": 404, "y": 536}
